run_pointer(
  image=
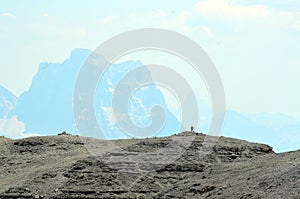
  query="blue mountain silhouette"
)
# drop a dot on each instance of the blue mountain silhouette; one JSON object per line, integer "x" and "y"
{"x": 47, "y": 107}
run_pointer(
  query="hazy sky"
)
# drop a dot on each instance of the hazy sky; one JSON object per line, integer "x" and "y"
{"x": 255, "y": 46}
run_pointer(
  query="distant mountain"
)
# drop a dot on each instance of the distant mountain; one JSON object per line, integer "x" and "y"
{"x": 7, "y": 101}
{"x": 272, "y": 120}
{"x": 139, "y": 106}
{"x": 47, "y": 108}
{"x": 278, "y": 130}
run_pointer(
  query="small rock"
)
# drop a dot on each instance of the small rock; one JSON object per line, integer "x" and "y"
{"x": 63, "y": 133}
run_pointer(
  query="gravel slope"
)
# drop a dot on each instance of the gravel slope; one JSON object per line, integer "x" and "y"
{"x": 62, "y": 167}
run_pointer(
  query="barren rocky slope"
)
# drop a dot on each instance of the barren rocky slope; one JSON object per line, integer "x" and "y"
{"x": 62, "y": 167}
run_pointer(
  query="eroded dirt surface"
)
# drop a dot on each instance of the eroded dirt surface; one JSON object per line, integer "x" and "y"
{"x": 67, "y": 166}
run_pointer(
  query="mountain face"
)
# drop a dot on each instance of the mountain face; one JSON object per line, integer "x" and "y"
{"x": 139, "y": 106}
{"x": 7, "y": 102}
{"x": 47, "y": 107}
{"x": 61, "y": 167}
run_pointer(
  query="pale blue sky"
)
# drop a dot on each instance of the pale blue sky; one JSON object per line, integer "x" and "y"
{"x": 255, "y": 46}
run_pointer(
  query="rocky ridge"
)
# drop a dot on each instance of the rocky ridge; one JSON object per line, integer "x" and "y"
{"x": 63, "y": 167}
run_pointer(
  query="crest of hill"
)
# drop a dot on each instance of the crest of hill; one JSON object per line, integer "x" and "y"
{"x": 62, "y": 167}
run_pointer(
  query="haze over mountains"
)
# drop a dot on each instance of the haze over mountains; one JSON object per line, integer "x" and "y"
{"x": 46, "y": 108}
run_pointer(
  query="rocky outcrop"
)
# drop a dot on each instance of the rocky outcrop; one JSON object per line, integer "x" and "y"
{"x": 62, "y": 167}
